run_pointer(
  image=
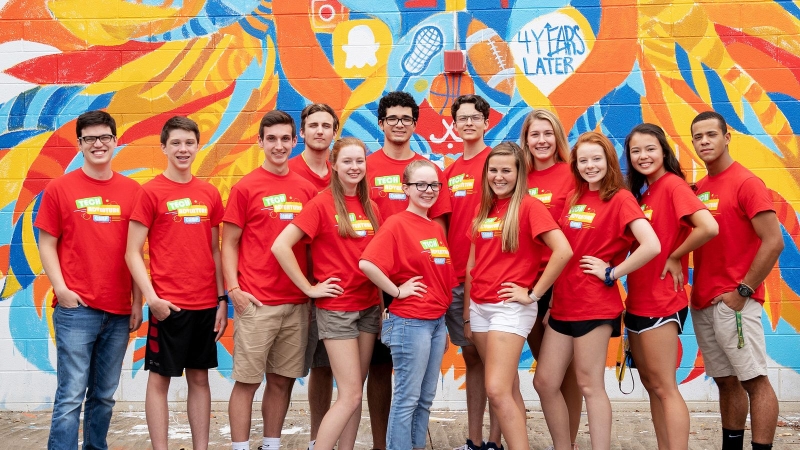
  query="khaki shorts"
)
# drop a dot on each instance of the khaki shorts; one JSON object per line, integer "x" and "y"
{"x": 270, "y": 339}
{"x": 348, "y": 324}
{"x": 715, "y": 328}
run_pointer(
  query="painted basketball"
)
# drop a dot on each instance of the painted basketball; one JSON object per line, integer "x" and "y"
{"x": 491, "y": 57}
{"x": 446, "y": 87}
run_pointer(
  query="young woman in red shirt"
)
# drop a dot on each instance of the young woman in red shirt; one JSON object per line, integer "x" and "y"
{"x": 339, "y": 223}
{"x": 509, "y": 236}
{"x": 601, "y": 220}
{"x": 657, "y": 304}
{"x": 550, "y": 180}
{"x": 409, "y": 259}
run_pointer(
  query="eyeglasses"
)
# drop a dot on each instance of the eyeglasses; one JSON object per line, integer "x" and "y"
{"x": 90, "y": 140}
{"x": 422, "y": 187}
{"x": 474, "y": 118}
{"x": 392, "y": 120}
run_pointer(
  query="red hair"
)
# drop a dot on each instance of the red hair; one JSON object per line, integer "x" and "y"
{"x": 612, "y": 182}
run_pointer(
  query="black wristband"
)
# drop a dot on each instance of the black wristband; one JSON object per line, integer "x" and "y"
{"x": 222, "y": 298}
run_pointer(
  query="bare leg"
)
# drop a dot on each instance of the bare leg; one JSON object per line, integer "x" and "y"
{"x": 240, "y": 410}
{"x": 658, "y": 349}
{"x": 341, "y": 422}
{"x": 156, "y": 410}
{"x": 763, "y": 409}
{"x": 379, "y": 401}
{"x": 198, "y": 404}
{"x": 277, "y": 395}
{"x": 320, "y": 393}
{"x": 501, "y": 352}
{"x": 476, "y": 393}
{"x": 554, "y": 358}
{"x": 733, "y": 403}
{"x": 590, "y": 364}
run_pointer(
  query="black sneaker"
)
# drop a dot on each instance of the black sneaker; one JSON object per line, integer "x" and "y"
{"x": 470, "y": 446}
{"x": 491, "y": 446}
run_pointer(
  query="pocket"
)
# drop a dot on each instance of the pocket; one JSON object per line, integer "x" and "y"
{"x": 386, "y": 331}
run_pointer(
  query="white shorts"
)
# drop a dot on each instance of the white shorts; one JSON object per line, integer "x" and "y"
{"x": 510, "y": 317}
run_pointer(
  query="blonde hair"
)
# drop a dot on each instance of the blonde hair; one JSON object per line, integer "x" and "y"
{"x": 362, "y": 191}
{"x": 413, "y": 166}
{"x": 562, "y": 147}
{"x": 510, "y": 233}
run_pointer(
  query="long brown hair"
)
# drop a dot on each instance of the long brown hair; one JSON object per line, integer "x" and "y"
{"x": 562, "y": 147}
{"x": 362, "y": 190}
{"x": 612, "y": 182}
{"x": 510, "y": 234}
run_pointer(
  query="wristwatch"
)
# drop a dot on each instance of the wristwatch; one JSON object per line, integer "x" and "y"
{"x": 744, "y": 290}
{"x": 222, "y": 298}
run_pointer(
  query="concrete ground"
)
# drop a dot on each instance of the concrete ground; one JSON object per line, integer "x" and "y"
{"x": 632, "y": 429}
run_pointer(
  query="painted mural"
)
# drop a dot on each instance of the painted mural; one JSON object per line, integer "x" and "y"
{"x": 602, "y": 65}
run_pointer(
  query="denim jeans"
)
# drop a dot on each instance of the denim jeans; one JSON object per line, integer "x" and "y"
{"x": 417, "y": 347}
{"x": 90, "y": 347}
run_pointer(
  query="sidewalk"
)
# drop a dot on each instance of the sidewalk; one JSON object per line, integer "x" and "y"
{"x": 632, "y": 429}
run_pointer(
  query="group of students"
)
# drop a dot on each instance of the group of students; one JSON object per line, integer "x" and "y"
{"x": 520, "y": 242}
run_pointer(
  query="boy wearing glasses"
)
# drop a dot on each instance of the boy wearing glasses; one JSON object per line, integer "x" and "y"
{"x": 83, "y": 224}
{"x": 271, "y": 329}
{"x": 397, "y": 117}
{"x": 471, "y": 117}
{"x": 179, "y": 215}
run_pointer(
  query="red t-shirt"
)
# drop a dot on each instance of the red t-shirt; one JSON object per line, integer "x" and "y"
{"x": 407, "y": 246}
{"x": 180, "y": 217}
{"x": 335, "y": 256}
{"x": 385, "y": 178}
{"x": 600, "y": 229}
{"x": 734, "y": 197}
{"x": 262, "y": 204}
{"x": 90, "y": 219}
{"x": 494, "y": 267}
{"x": 666, "y": 204}
{"x": 464, "y": 179}
{"x": 550, "y": 186}
{"x": 299, "y": 166}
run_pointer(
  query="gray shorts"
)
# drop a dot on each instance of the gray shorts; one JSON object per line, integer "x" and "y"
{"x": 454, "y": 318}
{"x": 348, "y": 324}
{"x": 316, "y": 355}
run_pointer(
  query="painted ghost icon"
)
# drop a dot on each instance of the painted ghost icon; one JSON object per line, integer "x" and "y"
{"x": 361, "y": 47}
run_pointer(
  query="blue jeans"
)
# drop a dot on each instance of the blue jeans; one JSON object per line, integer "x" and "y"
{"x": 90, "y": 347}
{"x": 417, "y": 347}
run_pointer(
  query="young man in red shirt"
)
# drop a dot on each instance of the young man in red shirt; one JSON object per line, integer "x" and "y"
{"x": 179, "y": 215}
{"x": 83, "y": 225}
{"x": 318, "y": 126}
{"x": 271, "y": 328}
{"x": 471, "y": 118}
{"x": 728, "y": 291}
{"x": 397, "y": 117}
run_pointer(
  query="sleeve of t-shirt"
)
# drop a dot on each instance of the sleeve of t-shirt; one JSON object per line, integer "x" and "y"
{"x": 539, "y": 217}
{"x": 754, "y": 197}
{"x": 48, "y": 218}
{"x": 629, "y": 210}
{"x": 144, "y": 208}
{"x": 236, "y": 212}
{"x": 442, "y": 205}
{"x": 310, "y": 218}
{"x": 381, "y": 250}
{"x": 684, "y": 201}
{"x": 217, "y": 211}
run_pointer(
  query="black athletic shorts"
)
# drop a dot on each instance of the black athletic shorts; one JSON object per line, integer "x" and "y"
{"x": 544, "y": 303}
{"x": 640, "y": 324}
{"x": 381, "y": 353}
{"x": 578, "y": 328}
{"x": 184, "y": 340}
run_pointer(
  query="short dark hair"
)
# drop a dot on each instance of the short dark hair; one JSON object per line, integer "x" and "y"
{"x": 315, "y": 108}
{"x": 705, "y": 115}
{"x": 179, "y": 123}
{"x": 96, "y": 117}
{"x": 479, "y": 102}
{"x": 397, "y": 98}
{"x": 275, "y": 117}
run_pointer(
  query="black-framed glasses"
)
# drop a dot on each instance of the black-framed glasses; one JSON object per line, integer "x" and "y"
{"x": 90, "y": 140}
{"x": 474, "y": 118}
{"x": 392, "y": 120}
{"x": 422, "y": 187}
